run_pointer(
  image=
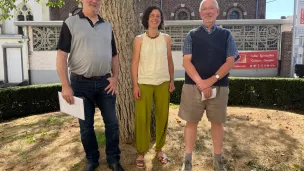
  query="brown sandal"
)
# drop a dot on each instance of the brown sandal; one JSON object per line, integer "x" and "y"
{"x": 163, "y": 159}
{"x": 140, "y": 163}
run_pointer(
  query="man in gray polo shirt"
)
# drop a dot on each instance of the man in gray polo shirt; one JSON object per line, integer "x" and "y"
{"x": 90, "y": 41}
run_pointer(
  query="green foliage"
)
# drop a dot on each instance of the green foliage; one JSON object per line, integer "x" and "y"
{"x": 54, "y": 3}
{"x": 174, "y": 106}
{"x": 280, "y": 93}
{"x": 30, "y": 138}
{"x": 53, "y": 119}
{"x": 176, "y": 95}
{"x": 7, "y": 6}
{"x": 101, "y": 138}
{"x": 298, "y": 167}
{"x": 27, "y": 100}
{"x": 285, "y": 94}
{"x": 76, "y": 166}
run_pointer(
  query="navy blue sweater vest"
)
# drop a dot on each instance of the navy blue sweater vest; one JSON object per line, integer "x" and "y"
{"x": 208, "y": 53}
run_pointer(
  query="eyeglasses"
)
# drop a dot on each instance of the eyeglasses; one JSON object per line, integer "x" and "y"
{"x": 209, "y": 8}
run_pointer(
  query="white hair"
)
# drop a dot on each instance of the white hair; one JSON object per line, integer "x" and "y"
{"x": 215, "y": 2}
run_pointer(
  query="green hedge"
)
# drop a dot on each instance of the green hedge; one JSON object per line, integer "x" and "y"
{"x": 279, "y": 93}
{"x": 284, "y": 94}
{"x": 27, "y": 100}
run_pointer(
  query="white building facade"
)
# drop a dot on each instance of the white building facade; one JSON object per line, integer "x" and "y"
{"x": 28, "y": 44}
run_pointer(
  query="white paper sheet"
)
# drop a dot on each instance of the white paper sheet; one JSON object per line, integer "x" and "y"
{"x": 212, "y": 96}
{"x": 76, "y": 109}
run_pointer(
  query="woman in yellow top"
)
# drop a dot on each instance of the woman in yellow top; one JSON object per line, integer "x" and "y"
{"x": 153, "y": 79}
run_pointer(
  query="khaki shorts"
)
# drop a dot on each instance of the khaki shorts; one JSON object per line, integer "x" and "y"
{"x": 192, "y": 108}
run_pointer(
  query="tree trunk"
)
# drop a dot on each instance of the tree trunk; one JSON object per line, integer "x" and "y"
{"x": 121, "y": 14}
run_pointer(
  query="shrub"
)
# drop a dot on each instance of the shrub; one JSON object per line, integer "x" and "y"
{"x": 280, "y": 93}
{"x": 26, "y": 100}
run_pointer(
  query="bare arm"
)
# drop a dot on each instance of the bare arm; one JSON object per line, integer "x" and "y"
{"x": 226, "y": 67}
{"x": 62, "y": 70}
{"x": 135, "y": 59}
{"x": 190, "y": 69}
{"x": 62, "y": 67}
{"x": 187, "y": 64}
{"x": 232, "y": 55}
{"x": 115, "y": 66}
{"x": 170, "y": 60}
{"x": 111, "y": 88}
{"x": 224, "y": 70}
{"x": 170, "y": 63}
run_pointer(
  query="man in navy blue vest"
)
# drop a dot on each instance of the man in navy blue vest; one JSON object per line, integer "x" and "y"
{"x": 209, "y": 54}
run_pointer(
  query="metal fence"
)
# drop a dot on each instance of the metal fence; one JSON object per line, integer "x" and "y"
{"x": 249, "y": 35}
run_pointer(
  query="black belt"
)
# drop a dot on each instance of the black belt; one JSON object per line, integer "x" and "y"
{"x": 87, "y": 78}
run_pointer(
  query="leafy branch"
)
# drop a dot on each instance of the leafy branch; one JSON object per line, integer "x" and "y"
{"x": 7, "y": 6}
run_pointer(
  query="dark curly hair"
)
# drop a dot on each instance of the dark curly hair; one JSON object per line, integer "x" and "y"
{"x": 146, "y": 15}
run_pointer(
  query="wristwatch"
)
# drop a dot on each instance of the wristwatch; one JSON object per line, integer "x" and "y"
{"x": 217, "y": 76}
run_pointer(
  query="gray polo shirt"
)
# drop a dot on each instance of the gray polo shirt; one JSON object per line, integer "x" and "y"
{"x": 91, "y": 47}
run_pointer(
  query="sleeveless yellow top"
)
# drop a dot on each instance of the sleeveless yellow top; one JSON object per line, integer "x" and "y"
{"x": 153, "y": 61}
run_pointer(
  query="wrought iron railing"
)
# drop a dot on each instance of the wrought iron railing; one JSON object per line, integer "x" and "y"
{"x": 249, "y": 35}
{"x": 45, "y": 38}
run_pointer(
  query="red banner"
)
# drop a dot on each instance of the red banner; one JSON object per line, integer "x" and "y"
{"x": 302, "y": 16}
{"x": 257, "y": 59}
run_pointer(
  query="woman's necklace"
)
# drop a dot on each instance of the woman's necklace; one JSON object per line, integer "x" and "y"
{"x": 147, "y": 33}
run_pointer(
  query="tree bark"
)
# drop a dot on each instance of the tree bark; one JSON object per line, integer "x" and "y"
{"x": 121, "y": 14}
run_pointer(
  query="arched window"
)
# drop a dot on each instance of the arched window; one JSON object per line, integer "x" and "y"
{"x": 24, "y": 13}
{"x": 234, "y": 14}
{"x": 182, "y": 14}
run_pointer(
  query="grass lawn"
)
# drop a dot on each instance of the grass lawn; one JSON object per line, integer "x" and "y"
{"x": 255, "y": 139}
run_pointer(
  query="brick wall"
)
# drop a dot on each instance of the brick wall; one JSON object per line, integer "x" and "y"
{"x": 247, "y": 8}
{"x": 63, "y": 13}
{"x": 286, "y": 54}
{"x": 171, "y": 7}
{"x": 187, "y": 9}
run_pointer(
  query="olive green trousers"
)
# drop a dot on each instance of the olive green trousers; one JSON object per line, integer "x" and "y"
{"x": 143, "y": 109}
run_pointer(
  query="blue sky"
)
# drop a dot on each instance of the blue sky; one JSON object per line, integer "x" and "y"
{"x": 278, "y": 8}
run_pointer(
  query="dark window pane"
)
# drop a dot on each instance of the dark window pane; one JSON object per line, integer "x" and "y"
{"x": 20, "y": 17}
{"x": 182, "y": 15}
{"x": 29, "y": 18}
{"x": 20, "y": 30}
{"x": 234, "y": 15}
